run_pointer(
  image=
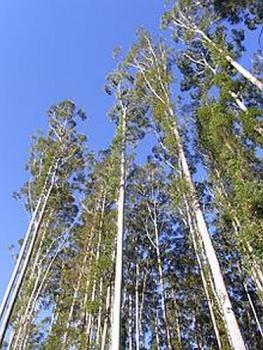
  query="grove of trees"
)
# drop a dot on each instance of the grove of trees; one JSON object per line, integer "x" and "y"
{"x": 165, "y": 253}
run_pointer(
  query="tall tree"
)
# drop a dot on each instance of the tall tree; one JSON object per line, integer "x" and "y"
{"x": 53, "y": 160}
{"x": 155, "y": 77}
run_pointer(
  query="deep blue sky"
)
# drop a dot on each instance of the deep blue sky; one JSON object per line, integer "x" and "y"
{"x": 51, "y": 50}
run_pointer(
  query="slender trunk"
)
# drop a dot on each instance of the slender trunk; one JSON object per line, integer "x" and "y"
{"x": 34, "y": 271}
{"x": 93, "y": 294}
{"x": 245, "y": 73}
{"x": 223, "y": 297}
{"x": 106, "y": 319}
{"x": 137, "y": 326}
{"x": 24, "y": 322}
{"x": 156, "y": 328}
{"x": 183, "y": 22}
{"x": 108, "y": 309}
{"x": 46, "y": 270}
{"x": 130, "y": 323}
{"x": 71, "y": 312}
{"x": 161, "y": 95}
{"x": 90, "y": 315}
{"x": 99, "y": 315}
{"x": 252, "y": 306}
{"x": 161, "y": 280}
{"x": 25, "y": 262}
{"x": 239, "y": 102}
{"x": 115, "y": 337}
{"x": 142, "y": 301}
{"x": 41, "y": 286}
{"x": 203, "y": 277}
{"x": 25, "y": 243}
{"x": 84, "y": 261}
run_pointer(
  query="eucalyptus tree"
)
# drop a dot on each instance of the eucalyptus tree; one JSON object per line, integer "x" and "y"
{"x": 192, "y": 21}
{"x": 153, "y": 80}
{"x": 126, "y": 112}
{"x": 236, "y": 12}
{"x": 244, "y": 134}
{"x": 150, "y": 194}
{"x": 54, "y": 159}
{"x": 161, "y": 270}
{"x": 238, "y": 185}
{"x": 85, "y": 281}
{"x": 202, "y": 72}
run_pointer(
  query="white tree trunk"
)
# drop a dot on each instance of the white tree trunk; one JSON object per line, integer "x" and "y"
{"x": 224, "y": 300}
{"x": 203, "y": 277}
{"x": 106, "y": 319}
{"x": 161, "y": 279}
{"x": 161, "y": 93}
{"x": 23, "y": 248}
{"x": 137, "y": 318}
{"x": 115, "y": 337}
{"x": 183, "y": 22}
{"x": 23, "y": 264}
{"x": 130, "y": 322}
{"x": 156, "y": 330}
{"x": 98, "y": 331}
{"x": 142, "y": 301}
{"x": 245, "y": 73}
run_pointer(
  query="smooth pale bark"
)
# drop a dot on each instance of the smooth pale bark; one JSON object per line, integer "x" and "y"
{"x": 156, "y": 327}
{"x": 115, "y": 336}
{"x": 93, "y": 294}
{"x": 130, "y": 323}
{"x": 88, "y": 262}
{"x": 43, "y": 283}
{"x": 34, "y": 271}
{"x": 137, "y": 318}
{"x": 202, "y": 273}
{"x": 98, "y": 331}
{"x": 39, "y": 270}
{"x": 162, "y": 95}
{"x": 83, "y": 264}
{"x": 32, "y": 304}
{"x": 23, "y": 264}
{"x": 24, "y": 322}
{"x": 223, "y": 297}
{"x": 234, "y": 95}
{"x": 71, "y": 312}
{"x": 161, "y": 279}
{"x": 156, "y": 246}
{"x": 90, "y": 317}
{"x": 239, "y": 102}
{"x": 183, "y": 22}
{"x": 108, "y": 309}
{"x": 142, "y": 301}
{"x": 24, "y": 246}
{"x": 106, "y": 319}
{"x": 252, "y": 306}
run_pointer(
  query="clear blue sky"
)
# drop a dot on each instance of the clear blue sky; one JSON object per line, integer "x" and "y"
{"x": 51, "y": 50}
